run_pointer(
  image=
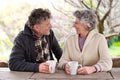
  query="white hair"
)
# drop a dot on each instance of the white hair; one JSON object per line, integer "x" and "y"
{"x": 87, "y": 17}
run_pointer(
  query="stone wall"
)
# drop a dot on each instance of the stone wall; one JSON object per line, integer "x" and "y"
{"x": 116, "y": 61}
{"x": 3, "y": 64}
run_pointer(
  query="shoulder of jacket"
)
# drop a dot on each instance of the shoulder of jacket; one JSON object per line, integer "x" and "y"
{"x": 71, "y": 36}
{"x": 99, "y": 35}
{"x": 21, "y": 36}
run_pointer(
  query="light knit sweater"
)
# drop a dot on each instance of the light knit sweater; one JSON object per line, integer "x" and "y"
{"x": 95, "y": 51}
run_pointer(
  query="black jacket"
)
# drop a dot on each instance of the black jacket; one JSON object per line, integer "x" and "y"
{"x": 23, "y": 55}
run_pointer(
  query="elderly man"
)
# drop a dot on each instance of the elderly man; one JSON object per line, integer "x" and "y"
{"x": 35, "y": 44}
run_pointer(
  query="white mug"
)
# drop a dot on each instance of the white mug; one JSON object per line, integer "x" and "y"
{"x": 73, "y": 67}
{"x": 52, "y": 65}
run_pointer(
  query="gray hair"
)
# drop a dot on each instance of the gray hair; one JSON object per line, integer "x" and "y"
{"x": 87, "y": 17}
{"x": 37, "y": 15}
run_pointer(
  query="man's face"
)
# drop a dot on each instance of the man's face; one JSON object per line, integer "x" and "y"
{"x": 44, "y": 27}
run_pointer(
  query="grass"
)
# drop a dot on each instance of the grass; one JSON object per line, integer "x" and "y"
{"x": 4, "y": 56}
{"x": 115, "y": 50}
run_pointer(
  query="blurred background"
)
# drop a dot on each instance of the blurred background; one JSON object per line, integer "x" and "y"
{"x": 14, "y": 14}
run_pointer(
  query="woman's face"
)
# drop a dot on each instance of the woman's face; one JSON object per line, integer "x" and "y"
{"x": 79, "y": 26}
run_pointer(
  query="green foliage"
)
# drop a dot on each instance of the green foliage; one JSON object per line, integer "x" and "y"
{"x": 5, "y": 46}
{"x": 115, "y": 50}
{"x": 62, "y": 45}
{"x": 90, "y": 3}
{"x": 115, "y": 40}
{"x": 116, "y": 44}
{"x": 14, "y": 16}
{"x": 5, "y": 43}
{"x": 12, "y": 20}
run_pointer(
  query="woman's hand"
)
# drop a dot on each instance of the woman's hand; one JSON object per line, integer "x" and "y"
{"x": 86, "y": 70}
{"x": 67, "y": 68}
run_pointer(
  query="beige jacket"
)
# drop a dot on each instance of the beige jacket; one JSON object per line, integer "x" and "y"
{"x": 95, "y": 51}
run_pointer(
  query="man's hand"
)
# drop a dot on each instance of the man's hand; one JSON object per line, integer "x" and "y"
{"x": 86, "y": 70}
{"x": 44, "y": 68}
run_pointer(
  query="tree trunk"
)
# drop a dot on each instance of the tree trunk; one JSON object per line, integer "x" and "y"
{"x": 100, "y": 27}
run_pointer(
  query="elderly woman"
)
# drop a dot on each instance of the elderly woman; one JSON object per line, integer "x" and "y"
{"x": 87, "y": 47}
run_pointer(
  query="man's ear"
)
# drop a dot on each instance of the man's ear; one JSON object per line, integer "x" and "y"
{"x": 35, "y": 28}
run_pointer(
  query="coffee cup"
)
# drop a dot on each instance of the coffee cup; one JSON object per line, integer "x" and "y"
{"x": 73, "y": 67}
{"x": 52, "y": 65}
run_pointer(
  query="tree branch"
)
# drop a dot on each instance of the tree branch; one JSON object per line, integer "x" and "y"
{"x": 60, "y": 10}
{"x": 115, "y": 3}
{"x": 91, "y": 4}
{"x": 105, "y": 16}
{"x": 117, "y": 17}
{"x": 108, "y": 12}
{"x": 98, "y": 17}
{"x": 98, "y": 5}
{"x": 117, "y": 25}
{"x": 80, "y": 2}
{"x": 72, "y": 3}
{"x": 103, "y": 3}
{"x": 85, "y": 5}
{"x": 111, "y": 35}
